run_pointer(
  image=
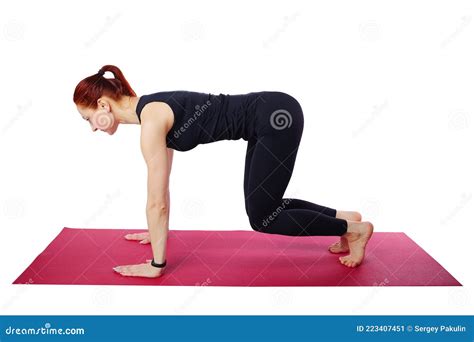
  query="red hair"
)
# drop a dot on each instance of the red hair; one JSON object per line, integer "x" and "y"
{"x": 91, "y": 88}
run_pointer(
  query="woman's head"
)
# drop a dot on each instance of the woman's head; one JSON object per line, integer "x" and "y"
{"x": 95, "y": 97}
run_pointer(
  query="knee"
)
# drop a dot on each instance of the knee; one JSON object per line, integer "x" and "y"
{"x": 256, "y": 221}
{"x": 253, "y": 220}
{"x": 261, "y": 222}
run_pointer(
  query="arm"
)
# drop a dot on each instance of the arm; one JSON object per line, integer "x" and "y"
{"x": 158, "y": 159}
{"x": 170, "y": 163}
{"x": 144, "y": 238}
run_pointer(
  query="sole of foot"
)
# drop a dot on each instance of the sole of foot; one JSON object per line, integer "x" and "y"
{"x": 357, "y": 239}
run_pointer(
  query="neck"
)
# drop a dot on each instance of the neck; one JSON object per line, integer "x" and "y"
{"x": 125, "y": 110}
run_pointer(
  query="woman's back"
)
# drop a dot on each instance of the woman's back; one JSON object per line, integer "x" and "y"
{"x": 201, "y": 118}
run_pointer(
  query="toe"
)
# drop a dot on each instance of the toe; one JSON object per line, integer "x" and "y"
{"x": 357, "y": 216}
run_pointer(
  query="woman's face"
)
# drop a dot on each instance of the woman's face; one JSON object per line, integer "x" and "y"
{"x": 101, "y": 118}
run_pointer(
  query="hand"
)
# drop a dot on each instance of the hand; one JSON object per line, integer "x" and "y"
{"x": 144, "y": 238}
{"x": 145, "y": 270}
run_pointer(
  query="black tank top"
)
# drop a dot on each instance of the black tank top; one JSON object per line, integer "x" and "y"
{"x": 201, "y": 118}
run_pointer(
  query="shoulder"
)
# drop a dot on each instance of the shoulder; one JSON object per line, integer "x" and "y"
{"x": 157, "y": 114}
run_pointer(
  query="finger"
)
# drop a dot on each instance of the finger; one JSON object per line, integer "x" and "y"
{"x": 135, "y": 236}
{"x": 129, "y": 237}
{"x": 145, "y": 241}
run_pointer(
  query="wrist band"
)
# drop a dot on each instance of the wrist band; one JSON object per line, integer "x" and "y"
{"x": 153, "y": 263}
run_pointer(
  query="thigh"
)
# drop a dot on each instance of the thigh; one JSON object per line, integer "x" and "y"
{"x": 248, "y": 161}
{"x": 269, "y": 173}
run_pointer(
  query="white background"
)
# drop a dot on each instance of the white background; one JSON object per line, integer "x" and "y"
{"x": 387, "y": 93}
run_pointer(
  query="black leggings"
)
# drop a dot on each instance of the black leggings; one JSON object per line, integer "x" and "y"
{"x": 269, "y": 163}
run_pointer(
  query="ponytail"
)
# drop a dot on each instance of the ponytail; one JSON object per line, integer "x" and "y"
{"x": 91, "y": 88}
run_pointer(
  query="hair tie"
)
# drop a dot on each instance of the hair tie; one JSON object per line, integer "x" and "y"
{"x": 101, "y": 72}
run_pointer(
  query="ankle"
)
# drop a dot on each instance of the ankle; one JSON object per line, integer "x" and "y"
{"x": 353, "y": 229}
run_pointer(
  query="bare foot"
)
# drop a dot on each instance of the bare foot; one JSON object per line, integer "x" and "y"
{"x": 358, "y": 234}
{"x": 349, "y": 215}
{"x": 342, "y": 246}
{"x": 144, "y": 238}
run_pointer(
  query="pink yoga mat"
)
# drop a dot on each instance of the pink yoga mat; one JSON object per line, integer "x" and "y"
{"x": 233, "y": 258}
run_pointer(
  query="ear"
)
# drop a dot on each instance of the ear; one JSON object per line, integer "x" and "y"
{"x": 102, "y": 104}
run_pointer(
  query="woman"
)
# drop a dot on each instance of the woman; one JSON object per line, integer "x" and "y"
{"x": 272, "y": 124}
